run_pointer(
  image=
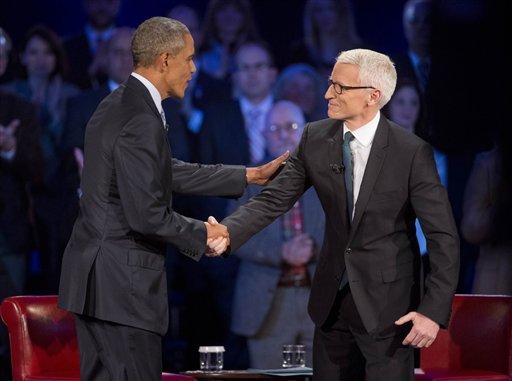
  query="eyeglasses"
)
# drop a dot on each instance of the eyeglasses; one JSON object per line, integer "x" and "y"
{"x": 257, "y": 67}
{"x": 288, "y": 127}
{"x": 339, "y": 88}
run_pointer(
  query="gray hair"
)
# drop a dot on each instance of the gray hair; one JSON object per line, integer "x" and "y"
{"x": 375, "y": 69}
{"x": 155, "y": 36}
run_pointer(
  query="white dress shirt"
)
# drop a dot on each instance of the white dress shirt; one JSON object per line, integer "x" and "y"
{"x": 254, "y": 128}
{"x": 360, "y": 147}
{"x": 154, "y": 94}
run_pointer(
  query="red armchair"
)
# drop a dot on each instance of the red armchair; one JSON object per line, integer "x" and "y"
{"x": 476, "y": 346}
{"x": 43, "y": 340}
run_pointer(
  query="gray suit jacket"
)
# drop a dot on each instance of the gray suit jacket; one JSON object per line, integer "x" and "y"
{"x": 378, "y": 249}
{"x": 113, "y": 266}
{"x": 260, "y": 267}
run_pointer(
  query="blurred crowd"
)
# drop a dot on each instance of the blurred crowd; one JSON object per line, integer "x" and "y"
{"x": 248, "y": 102}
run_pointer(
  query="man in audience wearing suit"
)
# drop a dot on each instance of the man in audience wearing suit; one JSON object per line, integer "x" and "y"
{"x": 86, "y": 51}
{"x": 232, "y": 133}
{"x": 276, "y": 268}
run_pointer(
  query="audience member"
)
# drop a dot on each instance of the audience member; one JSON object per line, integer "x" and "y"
{"x": 486, "y": 216}
{"x": 417, "y": 24}
{"x": 86, "y": 51}
{"x": 329, "y": 26}
{"x": 415, "y": 62}
{"x": 203, "y": 89}
{"x": 227, "y": 25}
{"x": 301, "y": 84}
{"x": 43, "y": 64}
{"x": 21, "y": 168}
{"x": 277, "y": 264}
{"x": 405, "y": 109}
{"x": 232, "y": 133}
{"x": 81, "y": 107}
{"x": 6, "y": 57}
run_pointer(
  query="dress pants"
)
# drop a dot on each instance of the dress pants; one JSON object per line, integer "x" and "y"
{"x": 343, "y": 350}
{"x": 114, "y": 352}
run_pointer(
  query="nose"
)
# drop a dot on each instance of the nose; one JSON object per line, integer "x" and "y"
{"x": 329, "y": 93}
{"x": 193, "y": 68}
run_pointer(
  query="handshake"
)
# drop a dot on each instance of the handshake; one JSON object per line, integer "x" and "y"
{"x": 217, "y": 239}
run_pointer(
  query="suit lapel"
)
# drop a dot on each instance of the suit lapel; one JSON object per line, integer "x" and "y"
{"x": 371, "y": 172}
{"x": 334, "y": 144}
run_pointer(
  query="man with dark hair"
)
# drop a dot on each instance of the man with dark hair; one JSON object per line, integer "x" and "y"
{"x": 113, "y": 275}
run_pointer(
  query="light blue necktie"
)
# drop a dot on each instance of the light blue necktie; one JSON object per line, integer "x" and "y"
{"x": 348, "y": 172}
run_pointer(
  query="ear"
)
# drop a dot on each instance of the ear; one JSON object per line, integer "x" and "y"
{"x": 374, "y": 97}
{"x": 162, "y": 61}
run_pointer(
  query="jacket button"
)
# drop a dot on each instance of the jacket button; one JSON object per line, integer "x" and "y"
{"x": 348, "y": 251}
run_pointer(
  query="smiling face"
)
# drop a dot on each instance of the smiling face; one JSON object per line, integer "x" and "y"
{"x": 178, "y": 70}
{"x": 355, "y": 106}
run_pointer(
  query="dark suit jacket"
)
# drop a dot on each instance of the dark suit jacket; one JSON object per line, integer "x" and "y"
{"x": 378, "y": 249}
{"x": 19, "y": 175}
{"x": 113, "y": 266}
{"x": 82, "y": 107}
{"x": 222, "y": 140}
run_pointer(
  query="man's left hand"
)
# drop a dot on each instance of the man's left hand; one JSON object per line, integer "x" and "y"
{"x": 264, "y": 173}
{"x": 424, "y": 330}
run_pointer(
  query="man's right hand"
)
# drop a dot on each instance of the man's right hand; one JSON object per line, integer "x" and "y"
{"x": 217, "y": 237}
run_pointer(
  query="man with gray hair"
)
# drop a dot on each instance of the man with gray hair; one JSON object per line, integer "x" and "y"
{"x": 277, "y": 264}
{"x": 113, "y": 277}
{"x": 373, "y": 179}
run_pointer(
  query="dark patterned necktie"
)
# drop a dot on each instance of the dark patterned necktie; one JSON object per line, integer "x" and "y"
{"x": 348, "y": 172}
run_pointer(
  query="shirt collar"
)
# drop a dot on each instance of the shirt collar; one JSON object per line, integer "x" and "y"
{"x": 92, "y": 34}
{"x": 152, "y": 90}
{"x": 264, "y": 105}
{"x": 366, "y": 133}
